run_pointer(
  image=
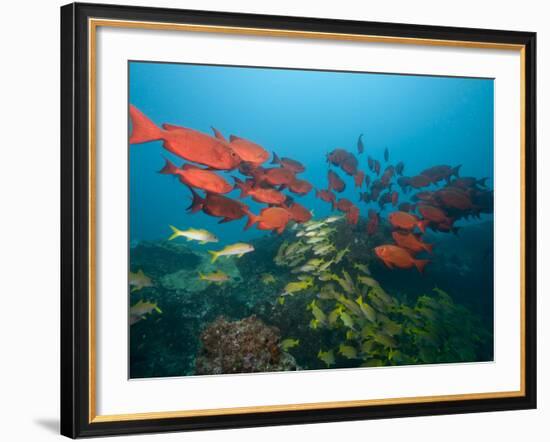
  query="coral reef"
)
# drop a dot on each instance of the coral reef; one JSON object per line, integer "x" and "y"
{"x": 244, "y": 346}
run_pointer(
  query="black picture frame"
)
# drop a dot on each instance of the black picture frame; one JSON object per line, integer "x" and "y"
{"x": 75, "y": 221}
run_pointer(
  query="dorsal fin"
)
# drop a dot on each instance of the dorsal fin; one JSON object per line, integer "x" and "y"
{"x": 233, "y": 138}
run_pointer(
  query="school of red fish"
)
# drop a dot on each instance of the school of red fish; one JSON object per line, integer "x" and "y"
{"x": 441, "y": 196}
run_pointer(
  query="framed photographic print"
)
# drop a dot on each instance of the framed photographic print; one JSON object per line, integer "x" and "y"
{"x": 278, "y": 220}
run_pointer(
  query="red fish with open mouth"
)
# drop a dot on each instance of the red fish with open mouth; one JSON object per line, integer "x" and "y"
{"x": 407, "y": 221}
{"x": 186, "y": 143}
{"x": 259, "y": 194}
{"x": 194, "y": 176}
{"x": 270, "y": 218}
{"x": 395, "y": 256}
{"x": 218, "y": 206}
{"x": 248, "y": 151}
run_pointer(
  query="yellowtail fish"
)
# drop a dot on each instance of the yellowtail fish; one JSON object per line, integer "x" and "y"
{"x": 333, "y": 219}
{"x": 139, "y": 280}
{"x": 385, "y": 340}
{"x": 238, "y": 249}
{"x": 334, "y": 315}
{"x": 368, "y": 281}
{"x": 324, "y": 250}
{"x": 341, "y": 255}
{"x": 201, "y": 235}
{"x": 314, "y": 225}
{"x": 314, "y": 324}
{"x": 315, "y": 240}
{"x": 366, "y": 309}
{"x": 289, "y": 343}
{"x": 327, "y": 357}
{"x": 325, "y": 276}
{"x": 267, "y": 278}
{"x": 296, "y": 286}
{"x": 217, "y": 276}
{"x": 344, "y": 284}
{"x": 303, "y": 269}
{"x": 319, "y": 314}
{"x": 347, "y": 319}
{"x": 142, "y": 308}
{"x": 350, "y": 305}
{"x": 348, "y": 351}
{"x": 361, "y": 267}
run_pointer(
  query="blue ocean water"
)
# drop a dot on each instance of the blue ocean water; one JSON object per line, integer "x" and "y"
{"x": 422, "y": 120}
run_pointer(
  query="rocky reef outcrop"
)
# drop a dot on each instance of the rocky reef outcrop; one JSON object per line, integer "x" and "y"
{"x": 244, "y": 346}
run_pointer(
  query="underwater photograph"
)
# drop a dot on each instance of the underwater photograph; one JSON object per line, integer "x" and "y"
{"x": 287, "y": 219}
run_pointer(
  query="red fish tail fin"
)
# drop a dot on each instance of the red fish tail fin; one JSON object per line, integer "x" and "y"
{"x": 143, "y": 129}
{"x": 428, "y": 247}
{"x": 316, "y": 193}
{"x": 422, "y": 224}
{"x": 197, "y": 201}
{"x": 252, "y": 219}
{"x": 420, "y": 264}
{"x": 169, "y": 168}
{"x": 455, "y": 170}
{"x": 242, "y": 186}
{"x": 276, "y": 159}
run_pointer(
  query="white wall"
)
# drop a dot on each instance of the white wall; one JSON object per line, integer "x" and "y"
{"x": 29, "y": 188}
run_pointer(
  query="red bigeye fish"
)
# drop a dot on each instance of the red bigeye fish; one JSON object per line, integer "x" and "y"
{"x": 300, "y": 187}
{"x": 419, "y": 181}
{"x": 344, "y": 205}
{"x": 186, "y": 143}
{"x": 434, "y": 214}
{"x": 326, "y": 195}
{"x": 468, "y": 183}
{"x": 394, "y": 198}
{"x": 404, "y": 183}
{"x": 248, "y": 151}
{"x": 335, "y": 182}
{"x": 370, "y": 163}
{"x": 360, "y": 146}
{"x": 395, "y": 256}
{"x": 358, "y": 178}
{"x": 399, "y": 167}
{"x": 349, "y": 165}
{"x": 376, "y": 167}
{"x": 337, "y": 156}
{"x": 385, "y": 198}
{"x": 194, "y": 176}
{"x": 372, "y": 225}
{"x": 352, "y": 215}
{"x": 387, "y": 176}
{"x": 299, "y": 213}
{"x": 426, "y": 196}
{"x": 218, "y": 206}
{"x": 275, "y": 177}
{"x": 367, "y": 181}
{"x": 411, "y": 242}
{"x": 406, "y": 221}
{"x": 288, "y": 163}
{"x": 270, "y": 218}
{"x": 454, "y": 198}
{"x": 386, "y": 155}
{"x": 439, "y": 173}
{"x": 260, "y": 194}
